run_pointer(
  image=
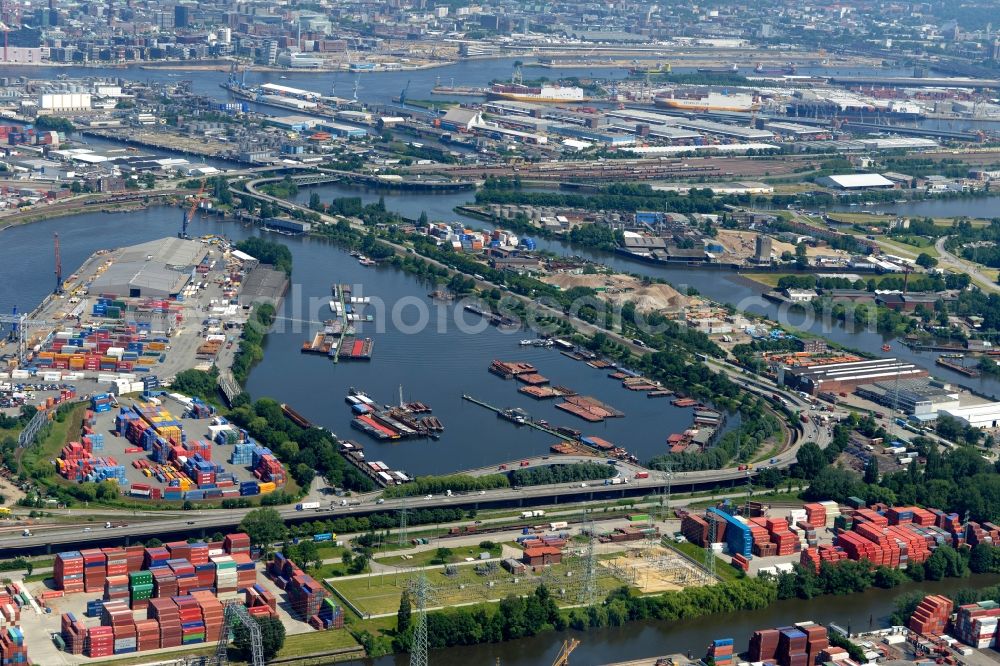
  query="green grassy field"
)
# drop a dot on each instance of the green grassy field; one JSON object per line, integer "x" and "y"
{"x": 297, "y": 645}
{"x": 428, "y": 557}
{"x": 378, "y": 594}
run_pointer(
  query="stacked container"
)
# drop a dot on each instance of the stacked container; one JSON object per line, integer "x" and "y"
{"x": 13, "y": 650}
{"x": 763, "y": 645}
{"x": 305, "y": 596}
{"x": 931, "y": 616}
{"x": 94, "y": 572}
{"x": 68, "y": 572}
{"x": 815, "y": 557}
{"x": 792, "y": 645}
{"x": 100, "y": 642}
{"x": 260, "y": 602}
{"x": 116, "y": 588}
{"x": 140, "y": 589}
{"x": 192, "y": 623}
{"x": 165, "y": 612}
{"x": 236, "y": 543}
{"x": 976, "y": 624}
{"x": 74, "y": 634}
{"x": 817, "y": 640}
{"x": 212, "y": 613}
{"x": 164, "y": 582}
{"x": 147, "y": 635}
{"x": 246, "y": 571}
{"x": 331, "y": 616}
{"x": 226, "y": 576}
{"x": 720, "y": 652}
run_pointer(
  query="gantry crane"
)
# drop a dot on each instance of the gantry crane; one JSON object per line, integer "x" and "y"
{"x": 189, "y": 214}
{"x": 562, "y": 659}
{"x": 59, "y": 276}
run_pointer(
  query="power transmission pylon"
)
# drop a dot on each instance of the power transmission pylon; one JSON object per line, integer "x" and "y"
{"x": 402, "y": 523}
{"x": 236, "y": 613}
{"x": 588, "y": 592}
{"x": 709, "y": 553}
{"x": 665, "y": 505}
{"x": 420, "y": 591}
{"x": 749, "y": 493}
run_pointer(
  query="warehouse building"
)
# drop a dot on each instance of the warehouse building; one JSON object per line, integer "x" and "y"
{"x": 846, "y": 377}
{"x": 157, "y": 269}
{"x": 856, "y": 181}
{"x": 978, "y": 416}
{"x": 917, "y": 397}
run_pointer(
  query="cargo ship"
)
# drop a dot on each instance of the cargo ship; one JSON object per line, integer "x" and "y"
{"x": 642, "y": 70}
{"x": 790, "y": 68}
{"x": 730, "y": 69}
{"x": 392, "y": 422}
{"x": 546, "y": 94}
{"x": 709, "y": 102}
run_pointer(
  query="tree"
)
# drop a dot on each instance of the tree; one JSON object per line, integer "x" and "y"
{"x": 264, "y": 526}
{"x": 925, "y": 260}
{"x": 871, "y": 470}
{"x": 272, "y": 635}
{"x": 314, "y": 201}
{"x": 442, "y": 556}
{"x": 810, "y": 460}
{"x": 403, "y": 615}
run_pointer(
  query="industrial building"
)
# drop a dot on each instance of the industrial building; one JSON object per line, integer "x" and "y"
{"x": 917, "y": 397}
{"x": 845, "y": 377}
{"x": 157, "y": 269}
{"x": 978, "y": 416}
{"x": 856, "y": 181}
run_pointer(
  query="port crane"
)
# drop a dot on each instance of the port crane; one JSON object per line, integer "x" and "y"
{"x": 402, "y": 94}
{"x": 59, "y": 274}
{"x": 562, "y": 659}
{"x": 189, "y": 213}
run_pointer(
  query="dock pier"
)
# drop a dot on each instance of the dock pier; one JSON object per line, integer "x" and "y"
{"x": 500, "y": 412}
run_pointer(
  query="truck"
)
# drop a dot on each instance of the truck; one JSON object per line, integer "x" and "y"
{"x": 324, "y": 536}
{"x": 559, "y": 525}
{"x": 527, "y": 514}
{"x": 642, "y": 475}
{"x": 537, "y": 513}
{"x": 804, "y": 417}
{"x": 613, "y": 482}
{"x": 303, "y": 506}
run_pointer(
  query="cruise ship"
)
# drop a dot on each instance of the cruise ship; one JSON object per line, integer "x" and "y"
{"x": 710, "y": 102}
{"x": 550, "y": 94}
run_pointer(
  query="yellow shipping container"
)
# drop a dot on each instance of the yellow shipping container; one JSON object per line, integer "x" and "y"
{"x": 267, "y": 487}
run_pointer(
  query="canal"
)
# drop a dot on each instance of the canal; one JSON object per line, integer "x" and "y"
{"x": 859, "y": 612}
{"x": 724, "y": 286}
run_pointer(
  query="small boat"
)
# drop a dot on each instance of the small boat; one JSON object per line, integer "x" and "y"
{"x": 365, "y": 261}
{"x": 435, "y": 435}
{"x": 526, "y": 343}
{"x": 886, "y": 348}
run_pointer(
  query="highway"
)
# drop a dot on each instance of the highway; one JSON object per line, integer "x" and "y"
{"x": 959, "y": 265}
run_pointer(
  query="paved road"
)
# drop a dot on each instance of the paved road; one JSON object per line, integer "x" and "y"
{"x": 957, "y": 264}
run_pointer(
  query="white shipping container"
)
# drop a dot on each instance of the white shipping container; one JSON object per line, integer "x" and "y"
{"x": 125, "y": 643}
{"x": 136, "y": 387}
{"x": 51, "y": 377}
{"x": 20, "y": 374}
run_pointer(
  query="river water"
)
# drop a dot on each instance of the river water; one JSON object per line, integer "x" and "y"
{"x": 722, "y": 286}
{"x": 973, "y": 207}
{"x": 859, "y": 612}
{"x": 434, "y": 362}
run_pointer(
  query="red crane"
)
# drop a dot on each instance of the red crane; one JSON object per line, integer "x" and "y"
{"x": 189, "y": 214}
{"x": 59, "y": 274}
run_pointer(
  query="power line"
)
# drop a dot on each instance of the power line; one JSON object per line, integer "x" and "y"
{"x": 402, "y": 523}
{"x": 420, "y": 590}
